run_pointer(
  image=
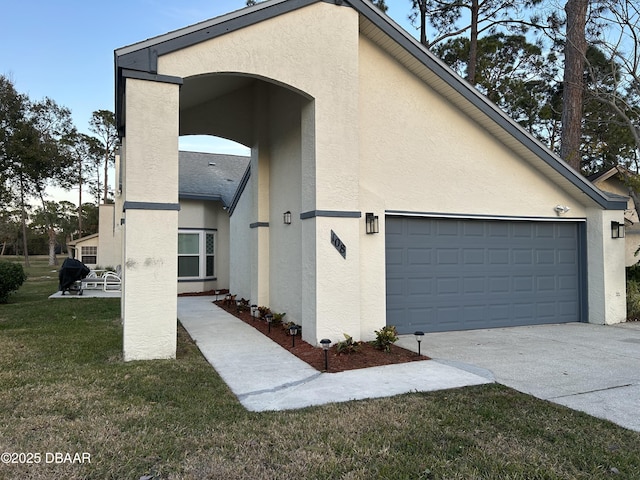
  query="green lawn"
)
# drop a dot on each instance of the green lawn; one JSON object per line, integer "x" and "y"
{"x": 64, "y": 388}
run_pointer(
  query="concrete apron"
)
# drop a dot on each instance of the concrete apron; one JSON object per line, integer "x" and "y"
{"x": 264, "y": 376}
{"x": 591, "y": 368}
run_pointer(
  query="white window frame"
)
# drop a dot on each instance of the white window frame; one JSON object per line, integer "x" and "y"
{"x": 89, "y": 251}
{"x": 202, "y": 253}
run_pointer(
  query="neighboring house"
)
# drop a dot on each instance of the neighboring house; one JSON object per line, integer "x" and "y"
{"x": 207, "y": 184}
{"x": 383, "y": 188}
{"x": 85, "y": 249}
{"x": 613, "y": 181}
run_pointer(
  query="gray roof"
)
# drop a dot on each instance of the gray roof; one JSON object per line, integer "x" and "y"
{"x": 140, "y": 60}
{"x": 210, "y": 176}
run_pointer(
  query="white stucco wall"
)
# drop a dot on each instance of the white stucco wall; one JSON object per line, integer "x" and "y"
{"x": 149, "y": 294}
{"x": 110, "y": 250}
{"x": 607, "y": 283}
{"x": 240, "y": 245}
{"x": 421, "y": 154}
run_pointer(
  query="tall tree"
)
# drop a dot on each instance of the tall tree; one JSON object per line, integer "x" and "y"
{"x": 33, "y": 148}
{"x": 86, "y": 152}
{"x": 51, "y": 162}
{"x": 470, "y": 18}
{"x": 514, "y": 74}
{"x": 615, "y": 78}
{"x": 103, "y": 125}
{"x": 575, "y": 51}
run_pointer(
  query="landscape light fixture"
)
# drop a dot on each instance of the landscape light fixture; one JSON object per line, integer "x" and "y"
{"x": 326, "y": 343}
{"x": 371, "y": 221}
{"x": 287, "y": 217}
{"x": 269, "y": 318}
{"x": 254, "y": 309}
{"x": 293, "y": 331}
{"x": 419, "y": 336}
{"x": 617, "y": 230}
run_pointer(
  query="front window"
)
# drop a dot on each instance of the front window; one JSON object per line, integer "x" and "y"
{"x": 89, "y": 255}
{"x": 196, "y": 254}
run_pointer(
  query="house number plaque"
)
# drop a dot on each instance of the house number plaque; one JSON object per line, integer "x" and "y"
{"x": 341, "y": 247}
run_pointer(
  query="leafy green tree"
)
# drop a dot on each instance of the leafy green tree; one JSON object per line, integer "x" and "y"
{"x": 514, "y": 74}
{"x": 614, "y": 75}
{"x": 470, "y": 19}
{"x": 34, "y": 150}
{"x": 607, "y": 128}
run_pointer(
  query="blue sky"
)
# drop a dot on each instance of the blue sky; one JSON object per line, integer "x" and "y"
{"x": 64, "y": 49}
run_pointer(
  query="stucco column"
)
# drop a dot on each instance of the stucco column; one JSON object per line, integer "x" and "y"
{"x": 606, "y": 268}
{"x": 150, "y": 191}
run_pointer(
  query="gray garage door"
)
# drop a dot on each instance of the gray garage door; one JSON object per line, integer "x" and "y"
{"x": 454, "y": 274}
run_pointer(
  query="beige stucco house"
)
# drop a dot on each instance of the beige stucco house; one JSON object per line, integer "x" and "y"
{"x": 207, "y": 185}
{"x": 413, "y": 200}
{"x": 612, "y": 181}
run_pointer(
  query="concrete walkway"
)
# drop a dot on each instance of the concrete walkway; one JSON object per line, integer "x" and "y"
{"x": 264, "y": 376}
{"x": 591, "y": 368}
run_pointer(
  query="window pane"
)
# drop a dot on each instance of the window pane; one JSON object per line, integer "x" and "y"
{"x": 188, "y": 266}
{"x": 209, "y": 266}
{"x": 209, "y": 247}
{"x": 188, "y": 243}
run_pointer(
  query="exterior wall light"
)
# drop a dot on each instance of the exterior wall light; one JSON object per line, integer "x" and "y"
{"x": 419, "y": 335}
{"x": 326, "y": 343}
{"x": 617, "y": 230}
{"x": 371, "y": 221}
{"x": 287, "y": 217}
{"x": 561, "y": 209}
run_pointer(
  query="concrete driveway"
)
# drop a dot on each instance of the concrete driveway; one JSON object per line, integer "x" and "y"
{"x": 591, "y": 368}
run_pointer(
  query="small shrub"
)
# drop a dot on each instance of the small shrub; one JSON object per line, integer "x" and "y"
{"x": 263, "y": 311}
{"x": 277, "y": 317}
{"x": 385, "y": 337}
{"x": 633, "y": 272}
{"x": 347, "y": 345}
{"x": 633, "y": 299}
{"x": 12, "y": 276}
{"x": 242, "y": 305}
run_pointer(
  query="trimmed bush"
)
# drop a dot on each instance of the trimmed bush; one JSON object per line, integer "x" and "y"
{"x": 633, "y": 300}
{"x": 12, "y": 276}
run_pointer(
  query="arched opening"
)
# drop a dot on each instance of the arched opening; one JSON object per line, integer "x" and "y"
{"x": 239, "y": 114}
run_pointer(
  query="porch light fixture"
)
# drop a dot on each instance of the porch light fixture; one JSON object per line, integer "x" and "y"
{"x": 287, "y": 217}
{"x": 617, "y": 230}
{"x": 293, "y": 331}
{"x": 269, "y": 318}
{"x": 371, "y": 221}
{"x": 326, "y": 343}
{"x": 419, "y": 335}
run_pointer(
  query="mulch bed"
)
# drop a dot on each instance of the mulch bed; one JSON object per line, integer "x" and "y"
{"x": 366, "y": 356}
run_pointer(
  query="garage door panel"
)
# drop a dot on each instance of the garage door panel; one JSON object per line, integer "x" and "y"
{"x": 419, "y": 256}
{"x": 463, "y": 274}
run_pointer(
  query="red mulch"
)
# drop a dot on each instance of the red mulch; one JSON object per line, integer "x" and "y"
{"x": 366, "y": 356}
